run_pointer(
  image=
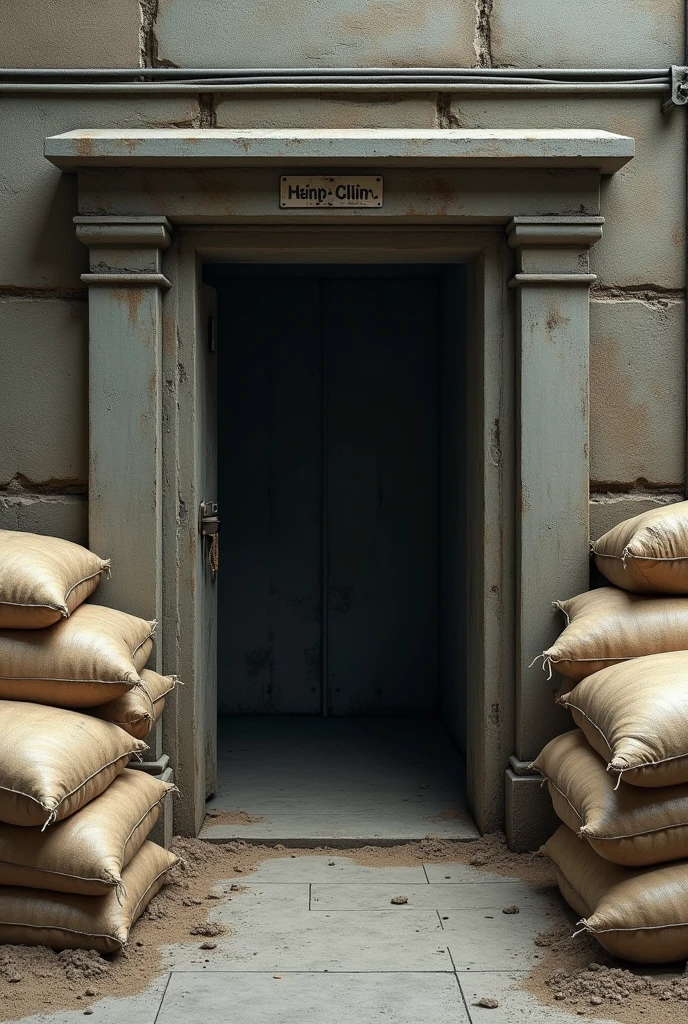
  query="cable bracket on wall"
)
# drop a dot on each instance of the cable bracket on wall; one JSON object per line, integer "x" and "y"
{"x": 679, "y": 87}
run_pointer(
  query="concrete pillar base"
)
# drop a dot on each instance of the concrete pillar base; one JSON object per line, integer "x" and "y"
{"x": 163, "y": 830}
{"x": 529, "y": 816}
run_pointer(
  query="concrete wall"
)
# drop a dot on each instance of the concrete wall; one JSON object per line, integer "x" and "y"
{"x": 637, "y": 330}
{"x": 637, "y": 358}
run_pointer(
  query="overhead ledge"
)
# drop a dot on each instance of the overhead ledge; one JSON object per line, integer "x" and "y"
{"x": 299, "y": 147}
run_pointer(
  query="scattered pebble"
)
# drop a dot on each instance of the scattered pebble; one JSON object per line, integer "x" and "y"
{"x": 487, "y": 1003}
{"x": 208, "y": 945}
{"x": 399, "y": 900}
{"x": 90, "y": 992}
{"x": 513, "y": 909}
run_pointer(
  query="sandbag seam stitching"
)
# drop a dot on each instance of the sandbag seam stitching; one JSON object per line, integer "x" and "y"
{"x": 630, "y": 768}
{"x": 143, "y": 896}
{"x": 78, "y": 583}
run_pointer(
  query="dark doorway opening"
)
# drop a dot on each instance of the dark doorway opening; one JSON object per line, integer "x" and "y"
{"x": 342, "y": 597}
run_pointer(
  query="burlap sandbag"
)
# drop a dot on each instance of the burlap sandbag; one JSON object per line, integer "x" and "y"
{"x": 87, "y": 852}
{"x": 138, "y": 710}
{"x": 638, "y": 914}
{"x": 627, "y": 825}
{"x": 52, "y": 761}
{"x": 609, "y": 625}
{"x": 88, "y": 659}
{"x": 38, "y": 917}
{"x": 635, "y": 715}
{"x": 647, "y": 554}
{"x": 43, "y": 579}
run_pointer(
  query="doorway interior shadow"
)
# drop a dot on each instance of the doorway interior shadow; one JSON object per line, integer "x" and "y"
{"x": 342, "y": 591}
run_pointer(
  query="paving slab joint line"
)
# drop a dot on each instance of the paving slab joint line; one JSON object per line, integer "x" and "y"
{"x": 162, "y": 997}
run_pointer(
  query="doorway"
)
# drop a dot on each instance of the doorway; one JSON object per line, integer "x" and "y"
{"x": 342, "y": 589}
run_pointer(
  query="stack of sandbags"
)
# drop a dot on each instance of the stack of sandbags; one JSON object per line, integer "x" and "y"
{"x": 619, "y": 782}
{"x": 82, "y": 881}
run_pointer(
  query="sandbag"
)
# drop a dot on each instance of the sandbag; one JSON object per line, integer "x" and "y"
{"x": 638, "y": 914}
{"x": 635, "y": 715}
{"x": 88, "y": 659}
{"x": 52, "y": 761}
{"x": 627, "y": 825}
{"x": 38, "y": 917}
{"x": 138, "y": 710}
{"x": 87, "y": 852}
{"x": 647, "y": 554}
{"x": 609, "y": 625}
{"x": 43, "y": 579}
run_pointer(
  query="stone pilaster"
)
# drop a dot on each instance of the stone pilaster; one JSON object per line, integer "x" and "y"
{"x": 552, "y": 533}
{"x": 126, "y": 283}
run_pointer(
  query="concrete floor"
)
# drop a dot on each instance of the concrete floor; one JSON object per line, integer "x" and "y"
{"x": 315, "y": 940}
{"x": 344, "y": 781}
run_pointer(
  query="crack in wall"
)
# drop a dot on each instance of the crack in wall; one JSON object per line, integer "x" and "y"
{"x": 654, "y": 295}
{"x": 21, "y": 485}
{"x": 444, "y": 115}
{"x": 148, "y": 40}
{"x": 207, "y": 114}
{"x": 482, "y": 42}
{"x": 640, "y": 488}
{"x": 11, "y": 291}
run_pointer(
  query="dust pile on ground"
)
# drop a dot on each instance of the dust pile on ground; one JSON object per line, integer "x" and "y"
{"x": 578, "y": 976}
{"x": 37, "y": 980}
{"x": 232, "y": 818}
{"x": 489, "y": 853}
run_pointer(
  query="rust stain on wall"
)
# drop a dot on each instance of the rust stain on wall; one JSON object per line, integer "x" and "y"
{"x": 132, "y": 298}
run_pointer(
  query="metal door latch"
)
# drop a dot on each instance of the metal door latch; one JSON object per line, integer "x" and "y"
{"x": 209, "y": 525}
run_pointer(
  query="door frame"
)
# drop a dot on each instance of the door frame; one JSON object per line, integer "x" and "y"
{"x": 154, "y": 203}
{"x": 490, "y": 542}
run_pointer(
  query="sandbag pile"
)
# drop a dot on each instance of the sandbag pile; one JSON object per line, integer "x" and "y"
{"x": 76, "y": 703}
{"x": 619, "y": 782}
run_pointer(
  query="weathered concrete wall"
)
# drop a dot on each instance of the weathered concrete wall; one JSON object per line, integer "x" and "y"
{"x": 339, "y": 33}
{"x": 637, "y": 321}
{"x": 70, "y": 34}
{"x": 43, "y": 309}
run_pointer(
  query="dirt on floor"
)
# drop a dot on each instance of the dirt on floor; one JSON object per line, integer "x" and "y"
{"x": 572, "y": 974}
{"x": 578, "y": 976}
{"x": 37, "y": 980}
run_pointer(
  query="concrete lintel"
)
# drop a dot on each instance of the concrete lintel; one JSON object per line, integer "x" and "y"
{"x": 299, "y": 147}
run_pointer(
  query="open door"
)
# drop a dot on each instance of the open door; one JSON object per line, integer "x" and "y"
{"x": 209, "y": 525}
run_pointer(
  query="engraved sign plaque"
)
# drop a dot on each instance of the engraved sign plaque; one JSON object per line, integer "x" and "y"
{"x": 319, "y": 191}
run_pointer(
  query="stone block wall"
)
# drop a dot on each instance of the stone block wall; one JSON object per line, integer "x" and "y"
{"x": 637, "y": 320}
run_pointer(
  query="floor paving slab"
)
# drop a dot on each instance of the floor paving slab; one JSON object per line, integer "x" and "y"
{"x": 142, "y": 1008}
{"x": 325, "y": 868}
{"x": 457, "y": 872}
{"x": 280, "y": 940}
{"x": 282, "y": 895}
{"x": 457, "y": 896}
{"x": 299, "y": 998}
{"x": 516, "y": 1005}
{"x": 479, "y": 941}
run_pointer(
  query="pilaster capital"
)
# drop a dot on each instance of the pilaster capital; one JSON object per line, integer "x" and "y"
{"x": 129, "y": 232}
{"x": 124, "y": 251}
{"x": 578, "y": 232}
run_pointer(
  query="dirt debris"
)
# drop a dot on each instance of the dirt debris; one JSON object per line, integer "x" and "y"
{"x": 232, "y": 818}
{"x": 35, "y": 980}
{"x": 487, "y": 1003}
{"x": 578, "y": 976}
